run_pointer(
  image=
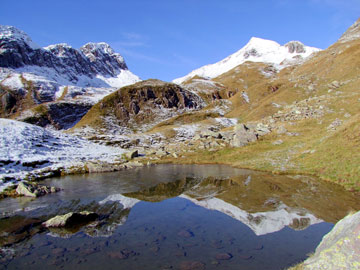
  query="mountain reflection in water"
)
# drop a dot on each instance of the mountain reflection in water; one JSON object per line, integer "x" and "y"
{"x": 163, "y": 218}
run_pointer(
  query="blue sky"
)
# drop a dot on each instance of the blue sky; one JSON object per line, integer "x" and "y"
{"x": 166, "y": 39}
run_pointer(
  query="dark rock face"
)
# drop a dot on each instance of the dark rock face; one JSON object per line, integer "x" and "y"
{"x": 8, "y": 101}
{"x": 17, "y": 50}
{"x": 61, "y": 115}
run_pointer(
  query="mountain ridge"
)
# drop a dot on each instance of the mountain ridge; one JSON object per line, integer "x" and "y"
{"x": 93, "y": 60}
{"x": 31, "y": 75}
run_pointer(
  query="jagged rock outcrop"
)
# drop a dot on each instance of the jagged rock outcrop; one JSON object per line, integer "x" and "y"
{"x": 141, "y": 106}
{"x": 352, "y": 33}
{"x": 103, "y": 58}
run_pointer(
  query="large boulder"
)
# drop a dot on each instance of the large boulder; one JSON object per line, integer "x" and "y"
{"x": 243, "y": 136}
{"x": 340, "y": 248}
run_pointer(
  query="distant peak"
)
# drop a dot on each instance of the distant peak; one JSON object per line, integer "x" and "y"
{"x": 256, "y": 50}
{"x": 256, "y": 41}
{"x": 12, "y": 33}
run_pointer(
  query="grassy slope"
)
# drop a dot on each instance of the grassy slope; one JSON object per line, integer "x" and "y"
{"x": 332, "y": 155}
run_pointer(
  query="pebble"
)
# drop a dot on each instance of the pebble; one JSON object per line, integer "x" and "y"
{"x": 223, "y": 256}
{"x": 185, "y": 233}
{"x": 245, "y": 257}
{"x": 58, "y": 251}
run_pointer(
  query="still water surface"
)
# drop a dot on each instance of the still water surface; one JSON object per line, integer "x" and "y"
{"x": 187, "y": 217}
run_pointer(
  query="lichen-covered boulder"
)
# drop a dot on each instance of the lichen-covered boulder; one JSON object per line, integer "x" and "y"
{"x": 34, "y": 190}
{"x": 70, "y": 219}
{"x": 340, "y": 248}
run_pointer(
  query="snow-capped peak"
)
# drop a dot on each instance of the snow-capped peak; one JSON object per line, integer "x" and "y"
{"x": 256, "y": 50}
{"x": 11, "y": 33}
{"x": 261, "y": 44}
{"x": 55, "y": 46}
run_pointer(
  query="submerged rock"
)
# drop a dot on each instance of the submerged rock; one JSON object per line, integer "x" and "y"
{"x": 340, "y": 248}
{"x": 70, "y": 219}
{"x": 34, "y": 190}
{"x": 223, "y": 256}
{"x": 17, "y": 228}
{"x": 192, "y": 265}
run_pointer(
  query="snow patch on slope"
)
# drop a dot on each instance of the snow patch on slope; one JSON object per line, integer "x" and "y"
{"x": 24, "y": 148}
{"x": 257, "y": 50}
{"x": 12, "y": 81}
{"x": 123, "y": 78}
